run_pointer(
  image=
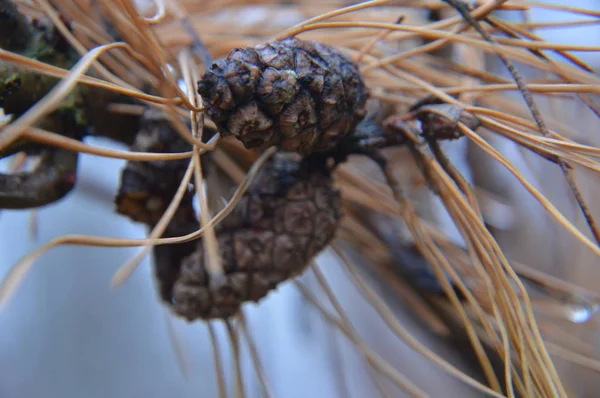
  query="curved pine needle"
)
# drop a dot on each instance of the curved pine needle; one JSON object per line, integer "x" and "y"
{"x": 59, "y": 141}
{"x": 160, "y": 15}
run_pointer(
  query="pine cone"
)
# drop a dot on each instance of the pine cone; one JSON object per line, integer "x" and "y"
{"x": 301, "y": 96}
{"x": 148, "y": 187}
{"x": 287, "y": 216}
{"x": 146, "y": 190}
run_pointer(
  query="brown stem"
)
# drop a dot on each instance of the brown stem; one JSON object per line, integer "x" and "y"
{"x": 52, "y": 180}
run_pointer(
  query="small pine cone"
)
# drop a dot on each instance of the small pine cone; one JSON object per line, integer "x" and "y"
{"x": 287, "y": 216}
{"x": 301, "y": 96}
{"x": 147, "y": 187}
{"x": 146, "y": 190}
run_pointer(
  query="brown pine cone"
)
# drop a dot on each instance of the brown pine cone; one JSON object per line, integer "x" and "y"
{"x": 301, "y": 96}
{"x": 147, "y": 188}
{"x": 287, "y": 216}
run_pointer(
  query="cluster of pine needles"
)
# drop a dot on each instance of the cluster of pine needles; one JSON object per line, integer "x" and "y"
{"x": 403, "y": 58}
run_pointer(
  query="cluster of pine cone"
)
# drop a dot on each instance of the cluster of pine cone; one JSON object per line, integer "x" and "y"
{"x": 289, "y": 213}
{"x": 309, "y": 101}
{"x": 304, "y": 98}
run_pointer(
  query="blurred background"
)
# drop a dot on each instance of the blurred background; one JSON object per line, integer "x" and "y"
{"x": 66, "y": 333}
